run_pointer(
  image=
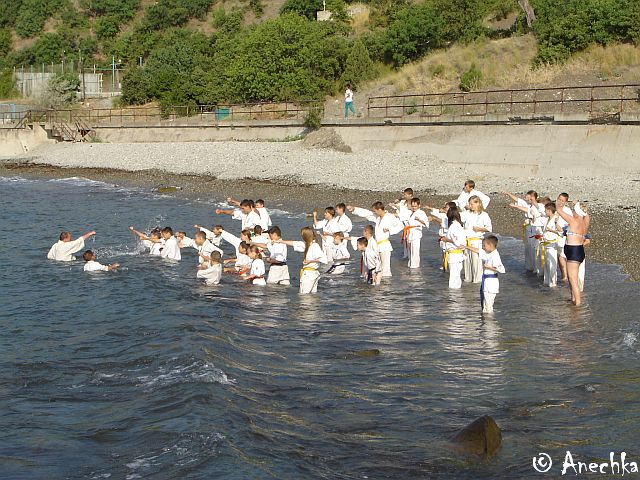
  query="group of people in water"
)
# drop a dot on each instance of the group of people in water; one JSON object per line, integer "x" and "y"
{"x": 554, "y": 239}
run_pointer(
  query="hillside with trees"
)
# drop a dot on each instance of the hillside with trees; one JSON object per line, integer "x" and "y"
{"x": 206, "y": 51}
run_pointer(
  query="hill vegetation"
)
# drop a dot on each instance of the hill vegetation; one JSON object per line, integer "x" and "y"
{"x": 208, "y": 51}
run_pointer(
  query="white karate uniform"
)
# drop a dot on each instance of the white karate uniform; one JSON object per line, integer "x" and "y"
{"x": 63, "y": 251}
{"x": 328, "y": 227}
{"x": 155, "y": 248}
{"x": 473, "y": 264}
{"x": 211, "y": 275}
{"x": 550, "y": 245}
{"x": 340, "y": 256}
{"x": 539, "y": 220}
{"x": 442, "y": 229}
{"x": 309, "y": 275}
{"x": 171, "y": 250}
{"x": 212, "y": 237}
{"x": 491, "y": 286}
{"x": 371, "y": 262}
{"x": 344, "y": 225}
{"x": 413, "y": 228}
{"x": 265, "y": 218}
{"x": 404, "y": 212}
{"x": 463, "y": 199}
{"x": 387, "y": 222}
{"x": 243, "y": 263}
{"x": 456, "y": 233}
{"x": 187, "y": 242}
{"x": 93, "y": 266}
{"x": 249, "y": 220}
{"x": 258, "y": 269}
{"x": 206, "y": 249}
{"x": 278, "y": 273}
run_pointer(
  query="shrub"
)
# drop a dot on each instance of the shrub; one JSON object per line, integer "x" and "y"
{"x": 471, "y": 79}
{"x": 313, "y": 119}
{"x": 309, "y": 8}
{"x": 61, "y": 90}
{"x": 6, "y": 42}
{"x": 7, "y": 85}
{"x": 359, "y": 67}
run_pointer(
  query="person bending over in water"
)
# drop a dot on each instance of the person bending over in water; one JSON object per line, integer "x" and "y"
{"x": 64, "y": 249}
{"x": 92, "y": 264}
{"x": 578, "y": 227}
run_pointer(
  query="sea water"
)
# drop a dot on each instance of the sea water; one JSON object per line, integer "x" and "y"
{"x": 148, "y": 373}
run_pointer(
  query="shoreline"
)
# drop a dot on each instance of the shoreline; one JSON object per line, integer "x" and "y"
{"x": 618, "y": 224}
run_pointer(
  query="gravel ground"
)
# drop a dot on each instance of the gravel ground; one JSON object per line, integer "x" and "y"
{"x": 290, "y": 175}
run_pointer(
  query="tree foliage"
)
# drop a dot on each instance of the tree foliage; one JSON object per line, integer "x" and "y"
{"x": 572, "y": 25}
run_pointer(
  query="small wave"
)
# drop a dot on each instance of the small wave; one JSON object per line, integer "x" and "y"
{"x": 80, "y": 181}
{"x": 202, "y": 372}
{"x": 629, "y": 339}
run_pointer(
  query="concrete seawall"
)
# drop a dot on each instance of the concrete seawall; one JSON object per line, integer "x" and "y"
{"x": 511, "y": 150}
{"x": 20, "y": 141}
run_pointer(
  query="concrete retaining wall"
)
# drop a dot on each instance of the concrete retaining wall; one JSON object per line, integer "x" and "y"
{"x": 197, "y": 134}
{"x": 19, "y": 141}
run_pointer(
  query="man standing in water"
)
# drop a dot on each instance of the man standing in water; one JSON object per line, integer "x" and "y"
{"x": 65, "y": 248}
{"x": 348, "y": 102}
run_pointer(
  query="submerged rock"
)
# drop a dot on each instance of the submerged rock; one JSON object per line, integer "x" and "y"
{"x": 167, "y": 189}
{"x": 481, "y": 437}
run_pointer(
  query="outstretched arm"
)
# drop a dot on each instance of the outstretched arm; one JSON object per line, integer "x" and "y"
{"x": 88, "y": 235}
{"x": 511, "y": 196}
{"x": 220, "y": 211}
{"x": 138, "y": 233}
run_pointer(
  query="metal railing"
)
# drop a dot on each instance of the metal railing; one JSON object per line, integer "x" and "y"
{"x": 192, "y": 115}
{"x": 595, "y": 101}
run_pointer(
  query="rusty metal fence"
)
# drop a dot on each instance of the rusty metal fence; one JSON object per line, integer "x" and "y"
{"x": 594, "y": 101}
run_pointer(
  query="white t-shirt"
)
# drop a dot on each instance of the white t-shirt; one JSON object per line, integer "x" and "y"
{"x": 491, "y": 285}
{"x": 343, "y": 224}
{"x": 211, "y": 275}
{"x": 171, "y": 249}
{"x": 463, "y": 199}
{"x": 63, "y": 251}
{"x": 341, "y": 252}
{"x": 457, "y": 234}
{"x": 258, "y": 269}
{"x": 93, "y": 266}
{"x": 206, "y": 249}
{"x": 472, "y": 219}
{"x": 387, "y": 222}
{"x": 348, "y": 95}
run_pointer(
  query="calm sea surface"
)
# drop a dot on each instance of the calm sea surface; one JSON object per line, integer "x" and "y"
{"x": 146, "y": 373}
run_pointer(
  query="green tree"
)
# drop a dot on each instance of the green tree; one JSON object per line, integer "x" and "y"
{"x": 309, "y": 8}
{"x": 359, "y": 66}
{"x": 6, "y": 42}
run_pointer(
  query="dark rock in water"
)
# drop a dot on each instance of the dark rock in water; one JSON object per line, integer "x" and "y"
{"x": 167, "y": 189}
{"x": 374, "y": 352}
{"x": 481, "y": 437}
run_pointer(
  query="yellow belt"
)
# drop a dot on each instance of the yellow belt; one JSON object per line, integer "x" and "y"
{"x": 382, "y": 241}
{"x": 471, "y": 239}
{"x": 307, "y": 269}
{"x": 541, "y": 246}
{"x": 445, "y": 264}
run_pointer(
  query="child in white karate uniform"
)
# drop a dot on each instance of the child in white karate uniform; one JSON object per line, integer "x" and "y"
{"x": 211, "y": 269}
{"x": 277, "y": 259}
{"x": 92, "y": 264}
{"x": 343, "y": 222}
{"x": 492, "y": 266}
{"x": 257, "y": 271}
{"x": 456, "y": 242}
{"x": 265, "y": 218}
{"x": 328, "y": 227}
{"x": 550, "y": 236}
{"x": 372, "y": 264}
{"x": 440, "y": 217}
{"x": 534, "y": 223}
{"x": 412, "y": 232}
{"x": 402, "y": 207}
{"x": 386, "y": 224}
{"x": 313, "y": 257}
{"x": 214, "y": 235}
{"x": 476, "y": 224}
{"x": 341, "y": 255}
{"x": 468, "y": 191}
